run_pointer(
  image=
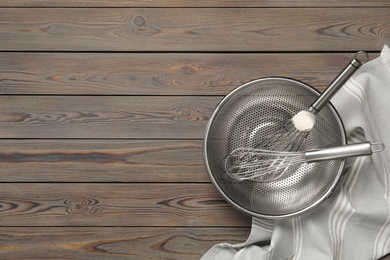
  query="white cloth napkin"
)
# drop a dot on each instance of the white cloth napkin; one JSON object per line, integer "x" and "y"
{"x": 354, "y": 223}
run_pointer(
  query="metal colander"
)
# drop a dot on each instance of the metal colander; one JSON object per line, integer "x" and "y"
{"x": 252, "y": 113}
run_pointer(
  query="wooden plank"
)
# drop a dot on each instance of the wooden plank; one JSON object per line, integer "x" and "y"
{"x": 104, "y": 116}
{"x": 193, "y": 3}
{"x": 156, "y": 73}
{"x": 101, "y": 161}
{"x": 154, "y": 205}
{"x": 114, "y": 242}
{"x": 192, "y": 29}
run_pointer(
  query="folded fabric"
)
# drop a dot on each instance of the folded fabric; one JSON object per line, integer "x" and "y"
{"x": 354, "y": 223}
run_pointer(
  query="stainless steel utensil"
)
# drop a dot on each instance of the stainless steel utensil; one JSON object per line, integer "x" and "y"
{"x": 265, "y": 165}
{"x": 293, "y": 132}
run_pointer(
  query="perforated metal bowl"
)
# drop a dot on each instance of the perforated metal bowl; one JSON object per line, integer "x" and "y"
{"x": 251, "y": 113}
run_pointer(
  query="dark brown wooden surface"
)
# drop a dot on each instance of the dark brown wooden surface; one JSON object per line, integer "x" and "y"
{"x": 103, "y": 107}
{"x": 113, "y": 204}
{"x": 192, "y": 29}
{"x": 192, "y": 3}
{"x": 102, "y": 160}
{"x": 181, "y": 117}
{"x": 157, "y": 73}
{"x": 114, "y": 242}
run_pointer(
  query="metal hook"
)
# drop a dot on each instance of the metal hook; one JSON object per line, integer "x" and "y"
{"x": 377, "y": 147}
{"x": 366, "y": 57}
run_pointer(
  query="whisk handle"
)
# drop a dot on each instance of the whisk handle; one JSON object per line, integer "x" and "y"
{"x": 344, "y": 151}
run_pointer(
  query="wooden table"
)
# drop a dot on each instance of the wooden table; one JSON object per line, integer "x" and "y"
{"x": 104, "y": 103}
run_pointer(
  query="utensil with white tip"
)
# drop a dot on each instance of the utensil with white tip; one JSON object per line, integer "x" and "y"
{"x": 291, "y": 134}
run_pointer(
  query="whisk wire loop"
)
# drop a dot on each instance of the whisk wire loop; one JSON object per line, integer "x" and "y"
{"x": 260, "y": 164}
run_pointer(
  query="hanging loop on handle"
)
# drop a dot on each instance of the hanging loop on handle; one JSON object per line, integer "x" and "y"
{"x": 377, "y": 147}
{"x": 361, "y": 53}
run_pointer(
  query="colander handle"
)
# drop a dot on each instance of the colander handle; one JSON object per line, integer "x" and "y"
{"x": 339, "y": 81}
{"x": 344, "y": 151}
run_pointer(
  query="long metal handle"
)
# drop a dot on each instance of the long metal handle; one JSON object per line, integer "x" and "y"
{"x": 338, "y": 82}
{"x": 344, "y": 151}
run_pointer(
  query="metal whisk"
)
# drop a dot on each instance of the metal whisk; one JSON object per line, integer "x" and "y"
{"x": 292, "y": 133}
{"x": 265, "y": 165}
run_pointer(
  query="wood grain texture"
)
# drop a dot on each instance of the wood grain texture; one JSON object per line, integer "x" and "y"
{"x": 103, "y": 106}
{"x": 101, "y": 161}
{"x": 104, "y": 117}
{"x": 114, "y": 242}
{"x": 157, "y": 73}
{"x": 192, "y": 3}
{"x": 154, "y": 205}
{"x": 192, "y": 29}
